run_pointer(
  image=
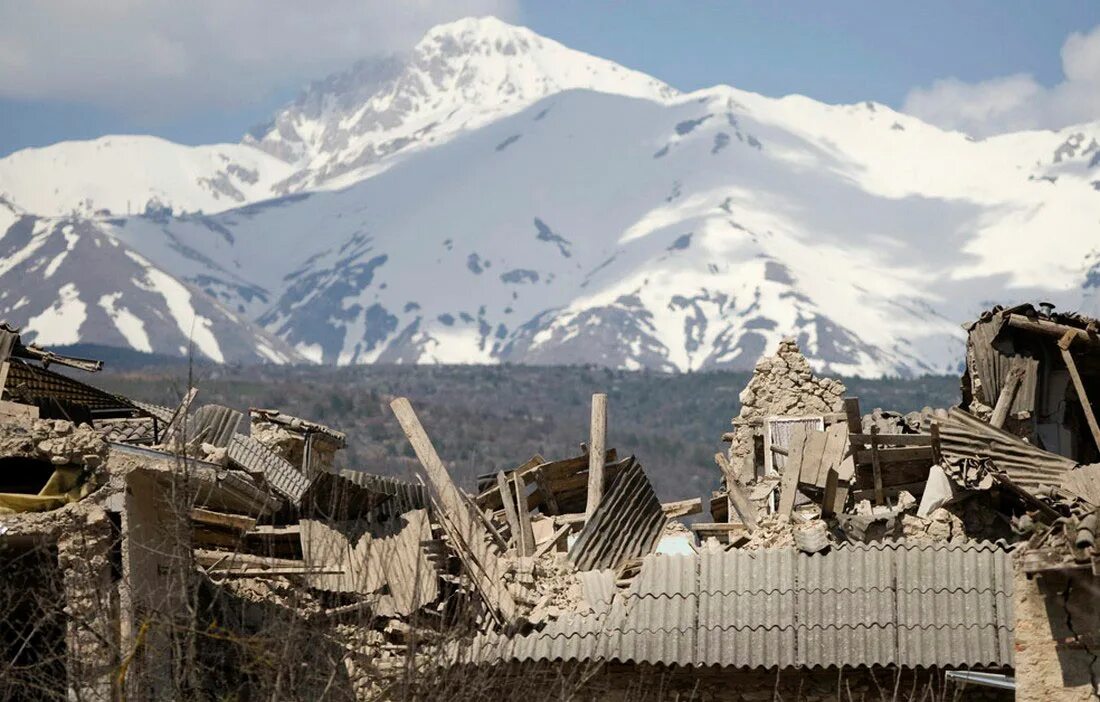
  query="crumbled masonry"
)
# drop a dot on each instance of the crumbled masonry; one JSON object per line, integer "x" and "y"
{"x": 186, "y": 553}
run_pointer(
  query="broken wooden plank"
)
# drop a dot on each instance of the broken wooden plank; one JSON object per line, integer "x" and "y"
{"x": 467, "y": 534}
{"x": 548, "y": 501}
{"x": 682, "y": 508}
{"x": 554, "y": 538}
{"x": 1008, "y": 392}
{"x": 1090, "y": 417}
{"x": 525, "y": 537}
{"x": 597, "y": 441}
{"x": 237, "y": 522}
{"x": 736, "y": 493}
{"x": 890, "y": 455}
{"x": 876, "y": 467}
{"x": 489, "y": 497}
{"x": 510, "y": 511}
{"x": 892, "y": 439}
{"x": 789, "y": 479}
{"x": 813, "y": 453}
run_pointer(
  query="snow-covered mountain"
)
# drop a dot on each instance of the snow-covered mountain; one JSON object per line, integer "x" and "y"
{"x": 495, "y": 197}
{"x": 120, "y": 175}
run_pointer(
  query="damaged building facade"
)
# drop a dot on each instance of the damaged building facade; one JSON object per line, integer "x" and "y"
{"x": 201, "y": 552}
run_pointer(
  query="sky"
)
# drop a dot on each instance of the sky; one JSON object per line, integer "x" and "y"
{"x": 204, "y": 71}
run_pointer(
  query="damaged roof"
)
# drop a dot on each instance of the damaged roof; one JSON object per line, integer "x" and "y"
{"x": 887, "y": 603}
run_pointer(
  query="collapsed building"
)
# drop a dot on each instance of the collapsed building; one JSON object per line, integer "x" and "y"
{"x": 185, "y": 552}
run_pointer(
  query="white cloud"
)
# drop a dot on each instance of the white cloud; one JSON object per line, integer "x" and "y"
{"x": 1018, "y": 101}
{"x": 160, "y": 57}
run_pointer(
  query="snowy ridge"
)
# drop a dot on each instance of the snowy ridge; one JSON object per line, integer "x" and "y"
{"x": 460, "y": 76}
{"x": 561, "y": 209}
{"x": 126, "y": 174}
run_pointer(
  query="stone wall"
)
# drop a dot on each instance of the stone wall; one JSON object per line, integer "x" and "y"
{"x": 782, "y": 384}
{"x": 1057, "y": 636}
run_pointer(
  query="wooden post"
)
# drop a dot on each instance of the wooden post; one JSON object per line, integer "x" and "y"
{"x": 525, "y": 538}
{"x": 466, "y": 533}
{"x": 1008, "y": 393}
{"x": 876, "y": 466}
{"x": 597, "y": 441}
{"x": 736, "y": 493}
{"x": 1090, "y": 417}
{"x": 510, "y": 511}
{"x": 851, "y": 413}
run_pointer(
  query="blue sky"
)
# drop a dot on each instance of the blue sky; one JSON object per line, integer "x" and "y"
{"x": 198, "y": 72}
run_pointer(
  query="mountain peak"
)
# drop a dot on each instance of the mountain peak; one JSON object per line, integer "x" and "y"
{"x": 460, "y": 76}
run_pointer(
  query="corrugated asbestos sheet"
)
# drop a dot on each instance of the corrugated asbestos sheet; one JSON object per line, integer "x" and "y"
{"x": 1085, "y": 483}
{"x": 963, "y": 436}
{"x": 942, "y": 605}
{"x": 254, "y": 457}
{"x": 992, "y": 360}
{"x": 215, "y": 424}
{"x": 598, "y": 589}
{"x": 627, "y": 523}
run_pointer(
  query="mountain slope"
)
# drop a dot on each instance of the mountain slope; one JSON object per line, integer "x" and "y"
{"x": 561, "y": 209}
{"x": 124, "y": 174}
{"x": 682, "y": 234}
{"x": 67, "y": 280}
{"x": 460, "y": 76}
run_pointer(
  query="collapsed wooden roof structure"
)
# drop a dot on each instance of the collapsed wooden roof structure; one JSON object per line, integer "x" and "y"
{"x": 831, "y": 542}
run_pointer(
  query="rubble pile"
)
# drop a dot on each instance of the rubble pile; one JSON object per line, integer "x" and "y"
{"x": 382, "y": 574}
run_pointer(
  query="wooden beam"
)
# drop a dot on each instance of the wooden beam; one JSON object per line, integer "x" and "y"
{"x": 682, "y": 508}
{"x": 876, "y": 466}
{"x": 467, "y": 535}
{"x": 852, "y": 415}
{"x": 892, "y": 439}
{"x": 510, "y": 511}
{"x": 1090, "y": 417}
{"x": 736, "y": 492}
{"x": 597, "y": 441}
{"x": 554, "y": 538}
{"x": 888, "y": 455}
{"x": 525, "y": 537}
{"x": 224, "y": 520}
{"x": 1008, "y": 393}
{"x": 1058, "y": 331}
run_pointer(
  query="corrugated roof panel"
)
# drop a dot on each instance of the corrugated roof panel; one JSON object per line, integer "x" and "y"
{"x": 962, "y": 435}
{"x": 254, "y": 457}
{"x": 747, "y": 608}
{"x": 660, "y": 607}
{"x": 947, "y": 601}
{"x": 846, "y": 608}
{"x": 216, "y": 425}
{"x": 598, "y": 589}
{"x": 865, "y": 604}
{"x": 628, "y": 523}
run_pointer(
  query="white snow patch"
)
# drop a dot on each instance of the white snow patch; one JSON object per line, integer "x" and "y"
{"x": 178, "y": 298}
{"x": 60, "y": 323}
{"x": 128, "y": 324}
